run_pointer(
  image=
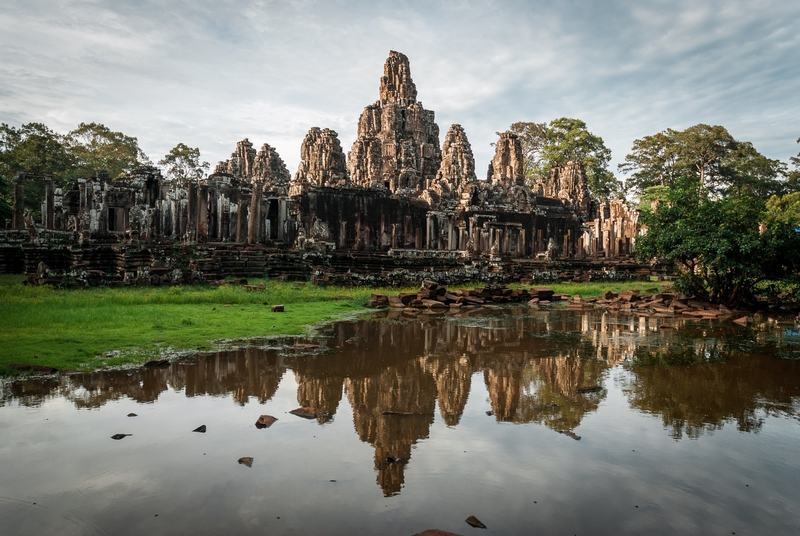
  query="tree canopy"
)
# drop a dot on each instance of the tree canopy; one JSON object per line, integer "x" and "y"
{"x": 182, "y": 163}
{"x": 34, "y": 148}
{"x": 83, "y": 152}
{"x": 707, "y": 155}
{"x": 563, "y": 140}
{"x": 94, "y": 147}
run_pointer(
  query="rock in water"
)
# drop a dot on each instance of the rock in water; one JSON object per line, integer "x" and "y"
{"x": 247, "y": 460}
{"x": 569, "y": 433}
{"x": 473, "y": 521}
{"x": 307, "y": 413}
{"x": 265, "y": 421}
{"x": 119, "y": 436}
{"x": 201, "y": 429}
{"x": 132, "y": 415}
{"x": 436, "y": 532}
{"x": 590, "y": 389}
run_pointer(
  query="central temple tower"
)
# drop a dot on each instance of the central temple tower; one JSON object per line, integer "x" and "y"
{"x": 397, "y": 147}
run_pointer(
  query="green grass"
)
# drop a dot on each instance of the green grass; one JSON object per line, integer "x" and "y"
{"x": 87, "y": 329}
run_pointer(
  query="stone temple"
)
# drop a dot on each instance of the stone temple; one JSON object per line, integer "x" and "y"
{"x": 398, "y": 207}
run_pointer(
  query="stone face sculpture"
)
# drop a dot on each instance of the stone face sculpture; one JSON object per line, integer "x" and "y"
{"x": 322, "y": 162}
{"x": 457, "y": 171}
{"x": 397, "y": 147}
{"x": 568, "y": 183}
{"x": 506, "y": 168}
{"x": 265, "y": 167}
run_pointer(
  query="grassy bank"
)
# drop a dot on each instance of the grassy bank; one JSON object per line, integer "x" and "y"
{"x": 86, "y": 329}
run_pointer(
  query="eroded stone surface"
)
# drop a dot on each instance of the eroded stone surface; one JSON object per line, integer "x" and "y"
{"x": 322, "y": 164}
{"x": 397, "y": 147}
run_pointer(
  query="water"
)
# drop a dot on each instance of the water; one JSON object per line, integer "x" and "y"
{"x": 695, "y": 430}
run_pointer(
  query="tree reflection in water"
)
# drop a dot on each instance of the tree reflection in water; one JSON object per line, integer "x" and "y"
{"x": 694, "y": 375}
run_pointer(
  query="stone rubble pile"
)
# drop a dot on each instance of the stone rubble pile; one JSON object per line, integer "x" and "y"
{"x": 431, "y": 295}
{"x": 664, "y": 303}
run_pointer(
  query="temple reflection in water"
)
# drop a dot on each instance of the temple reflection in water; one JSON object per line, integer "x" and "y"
{"x": 396, "y": 373}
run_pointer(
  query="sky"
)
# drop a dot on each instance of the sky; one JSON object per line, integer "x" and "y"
{"x": 210, "y": 73}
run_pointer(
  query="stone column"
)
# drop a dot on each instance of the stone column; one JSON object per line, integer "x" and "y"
{"x": 202, "y": 212}
{"x": 48, "y": 214}
{"x": 241, "y": 222}
{"x": 19, "y": 204}
{"x": 428, "y": 230}
{"x": 283, "y": 216}
{"x": 254, "y": 223}
{"x": 191, "y": 212}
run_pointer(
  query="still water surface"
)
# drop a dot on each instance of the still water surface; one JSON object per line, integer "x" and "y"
{"x": 696, "y": 431}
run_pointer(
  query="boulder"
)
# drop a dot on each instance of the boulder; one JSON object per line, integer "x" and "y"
{"x": 473, "y": 521}
{"x": 265, "y": 421}
{"x": 308, "y": 413}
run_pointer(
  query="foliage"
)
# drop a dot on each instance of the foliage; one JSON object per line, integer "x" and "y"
{"x": 83, "y": 152}
{"x": 33, "y": 148}
{"x": 532, "y": 137}
{"x": 94, "y": 148}
{"x": 708, "y": 155}
{"x": 566, "y": 140}
{"x": 182, "y": 163}
{"x": 793, "y": 176}
{"x": 724, "y": 246}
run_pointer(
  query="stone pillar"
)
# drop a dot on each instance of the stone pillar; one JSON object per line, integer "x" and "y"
{"x": 191, "y": 212}
{"x": 241, "y": 222}
{"x": 283, "y": 216}
{"x": 428, "y": 231}
{"x": 202, "y": 212}
{"x": 48, "y": 214}
{"x": 19, "y": 204}
{"x": 451, "y": 236}
{"x": 343, "y": 234}
{"x": 254, "y": 223}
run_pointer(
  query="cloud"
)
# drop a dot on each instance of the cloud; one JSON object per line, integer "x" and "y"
{"x": 209, "y": 73}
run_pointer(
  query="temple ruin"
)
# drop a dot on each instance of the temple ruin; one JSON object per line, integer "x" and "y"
{"x": 397, "y": 208}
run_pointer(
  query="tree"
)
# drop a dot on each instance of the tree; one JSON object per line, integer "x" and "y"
{"x": 724, "y": 246}
{"x": 793, "y": 176}
{"x": 182, "y": 163}
{"x": 94, "y": 148}
{"x": 33, "y": 148}
{"x": 708, "y": 155}
{"x": 532, "y": 137}
{"x": 566, "y": 140}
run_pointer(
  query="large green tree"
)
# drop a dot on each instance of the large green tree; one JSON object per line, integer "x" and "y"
{"x": 793, "y": 176}
{"x": 95, "y": 147}
{"x": 708, "y": 155}
{"x": 723, "y": 246}
{"x": 33, "y": 148}
{"x": 563, "y": 140}
{"x": 182, "y": 163}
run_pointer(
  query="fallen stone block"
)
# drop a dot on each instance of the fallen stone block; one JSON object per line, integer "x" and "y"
{"x": 308, "y": 413}
{"x": 473, "y": 521}
{"x": 277, "y": 308}
{"x": 265, "y": 421}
